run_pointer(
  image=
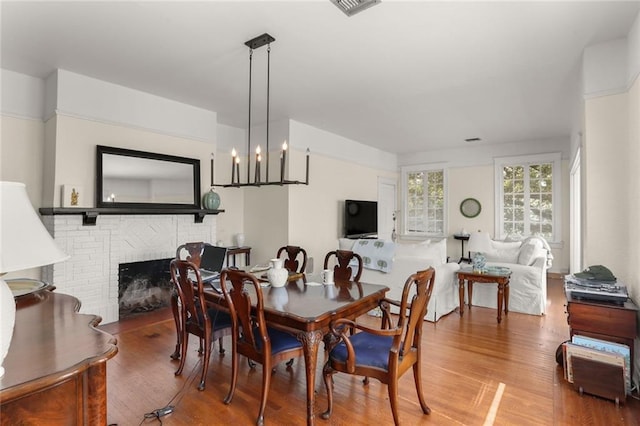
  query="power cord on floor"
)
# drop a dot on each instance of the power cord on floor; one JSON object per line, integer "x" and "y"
{"x": 174, "y": 401}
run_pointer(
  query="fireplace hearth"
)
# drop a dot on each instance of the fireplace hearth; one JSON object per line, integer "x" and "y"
{"x": 144, "y": 286}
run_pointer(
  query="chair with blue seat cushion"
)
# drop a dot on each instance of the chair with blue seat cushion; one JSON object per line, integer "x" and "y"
{"x": 386, "y": 353}
{"x": 193, "y": 253}
{"x": 264, "y": 345}
{"x": 194, "y": 316}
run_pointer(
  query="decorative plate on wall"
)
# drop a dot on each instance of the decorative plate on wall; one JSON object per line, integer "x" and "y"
{"x": 470, "y": 207}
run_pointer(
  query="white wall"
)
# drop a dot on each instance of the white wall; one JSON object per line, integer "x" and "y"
{"x": 231, "y": 222}
{"x": 611, "y": 155}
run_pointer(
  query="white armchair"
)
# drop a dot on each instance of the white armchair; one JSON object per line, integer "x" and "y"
{"x": 528, "y": 261}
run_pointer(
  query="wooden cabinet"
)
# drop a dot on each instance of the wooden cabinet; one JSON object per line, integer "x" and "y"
{"x": 614, "y": 322}
{"x": 606, "y": 321}
{"x": 56, "y": 365}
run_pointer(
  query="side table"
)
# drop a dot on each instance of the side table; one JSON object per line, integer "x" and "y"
{"x": 499, "y": 277}
{"x": 462, "y": 238}
{"x": 233, "y": 251}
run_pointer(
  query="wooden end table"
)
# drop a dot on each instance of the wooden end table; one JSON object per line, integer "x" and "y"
{"x": 233, "y": 251}
{"x": 501, "y": 277}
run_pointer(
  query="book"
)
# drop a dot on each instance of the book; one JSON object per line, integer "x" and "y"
{"x": 613, "y": 347}
{"x": 573, "y": 350}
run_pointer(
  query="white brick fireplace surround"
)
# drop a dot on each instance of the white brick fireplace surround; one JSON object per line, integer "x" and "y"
{"x": 91, "y": 273}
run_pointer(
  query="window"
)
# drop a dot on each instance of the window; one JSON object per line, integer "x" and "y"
{"x": 424, "y": 200}
{"x": 528, "y": 191}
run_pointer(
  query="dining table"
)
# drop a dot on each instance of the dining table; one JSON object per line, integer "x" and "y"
{"x": 306, "y": 308}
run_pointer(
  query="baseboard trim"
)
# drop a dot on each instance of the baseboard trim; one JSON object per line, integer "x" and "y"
{"x": 555, "y": 275}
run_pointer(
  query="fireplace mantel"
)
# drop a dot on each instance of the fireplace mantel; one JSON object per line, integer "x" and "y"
{"x": 90, "y": 215}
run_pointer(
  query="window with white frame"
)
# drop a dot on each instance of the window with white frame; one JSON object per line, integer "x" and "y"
{"x": 528, "y": 189}
{"x": 423, "y": 189}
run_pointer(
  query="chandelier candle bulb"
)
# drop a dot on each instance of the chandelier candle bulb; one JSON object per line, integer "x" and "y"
{"x": 212, "y": 158}
{"x": 283, "y": 160}
{"x": 233, "y": 165}
{"x": 307, "y": 178}
{"x": 237, "y": 169}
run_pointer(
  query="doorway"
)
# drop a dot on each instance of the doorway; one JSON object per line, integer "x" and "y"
{"x": 387, "y": 201}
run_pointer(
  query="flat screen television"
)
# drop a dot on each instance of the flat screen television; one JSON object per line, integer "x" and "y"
{"x": 360, "y": 218}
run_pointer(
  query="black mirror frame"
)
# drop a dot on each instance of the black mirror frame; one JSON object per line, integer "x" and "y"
{"x": 195, "y": 163}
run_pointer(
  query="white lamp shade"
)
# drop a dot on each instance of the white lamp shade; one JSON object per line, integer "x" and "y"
{"x": 24, "y": 241}
{"x": 479, "y": 242}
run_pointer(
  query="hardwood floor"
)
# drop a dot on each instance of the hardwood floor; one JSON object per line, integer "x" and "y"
{"x": 475, "y": 372}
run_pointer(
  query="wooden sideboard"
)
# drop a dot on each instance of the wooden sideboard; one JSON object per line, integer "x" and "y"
{"x": 56, "y": 365}
{"x": 607, "y": 321}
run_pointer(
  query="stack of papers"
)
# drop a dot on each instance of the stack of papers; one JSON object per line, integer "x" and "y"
{"x": 597, "y": 290}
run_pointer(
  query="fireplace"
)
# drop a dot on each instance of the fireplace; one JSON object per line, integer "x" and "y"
{"x": 143, "y": 286}
{"x": 92, "y": 272}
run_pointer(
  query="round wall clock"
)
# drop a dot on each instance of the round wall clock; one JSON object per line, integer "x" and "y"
{"x": 470, "y": 207}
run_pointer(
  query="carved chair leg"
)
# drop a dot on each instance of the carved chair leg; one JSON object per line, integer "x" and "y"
{"x": 417, "y": 378}
{"x": 205, "y": 363}
{"x": 393, "y": 399}
{"x": 177, "y": 321}
{"x": 183, "y": 355}
{"x": 234, "y": 373}
{"x": 327, "y": 374}
{"x": 201, "y": 348}
{"x": 266, "y": 383}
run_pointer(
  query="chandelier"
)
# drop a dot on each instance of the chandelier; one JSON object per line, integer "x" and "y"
{"x": 255, "y": 43}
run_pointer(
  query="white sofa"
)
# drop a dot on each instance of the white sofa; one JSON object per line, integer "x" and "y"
{"x": 410, "y": 258}
{"x": 528, "y": 260}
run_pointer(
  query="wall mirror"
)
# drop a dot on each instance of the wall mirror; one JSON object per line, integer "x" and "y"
{"x": 138, "y": 179}
{"x": 470, "y": 207}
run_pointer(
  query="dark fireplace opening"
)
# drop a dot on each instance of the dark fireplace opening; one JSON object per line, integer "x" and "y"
{"x": 144, "y": 286}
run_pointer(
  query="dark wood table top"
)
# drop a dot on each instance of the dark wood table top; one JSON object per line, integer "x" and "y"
{"x": 312, "y": 307}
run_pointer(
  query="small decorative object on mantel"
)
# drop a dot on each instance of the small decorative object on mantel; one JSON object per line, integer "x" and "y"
{"x": 240, "y": 240}
{"x": 211, "y": 200}
{"x": 71, "y": 195}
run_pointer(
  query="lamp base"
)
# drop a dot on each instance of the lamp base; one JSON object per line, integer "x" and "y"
{"x": 7, "y": 320}
{"x": 479, "y": 262}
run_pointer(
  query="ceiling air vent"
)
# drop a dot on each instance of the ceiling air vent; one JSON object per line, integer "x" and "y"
{"x": 351, "y": 7}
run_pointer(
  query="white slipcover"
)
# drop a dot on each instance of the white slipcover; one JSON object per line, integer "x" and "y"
{"x": 410, "y": 259}
{"x": 528, "y": 282}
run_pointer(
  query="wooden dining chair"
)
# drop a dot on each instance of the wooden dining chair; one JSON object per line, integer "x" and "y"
{"x": 192, "y": 252}
{"x": 195, "y": 316}
{"x": 343, "y": 270}
{"x": 386, "y": 353}
{"x": 291, "y": 262}
{"x": 251, "y": 336}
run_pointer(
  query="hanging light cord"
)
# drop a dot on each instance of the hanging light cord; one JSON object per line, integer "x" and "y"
{"x": 268, "y": 91}
{"x": 249, "y": 127}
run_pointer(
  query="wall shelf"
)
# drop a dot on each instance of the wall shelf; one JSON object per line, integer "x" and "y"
{"x": 90, "y": 215}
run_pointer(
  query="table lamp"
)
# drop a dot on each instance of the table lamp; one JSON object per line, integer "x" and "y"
{"x": 479, "y": 243}
{"x": 24, "y": 243}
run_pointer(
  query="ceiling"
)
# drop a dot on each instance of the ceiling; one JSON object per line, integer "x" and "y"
{"x": 402, "y": 76}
